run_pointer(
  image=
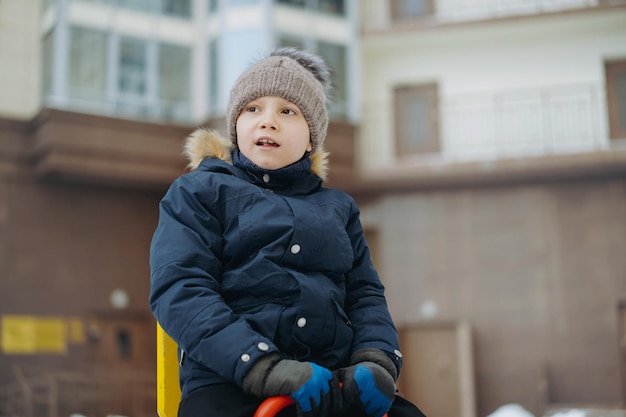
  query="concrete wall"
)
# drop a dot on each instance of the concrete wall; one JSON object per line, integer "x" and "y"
{"x": 19, "y": 59}
{"x": 536, "y": 270}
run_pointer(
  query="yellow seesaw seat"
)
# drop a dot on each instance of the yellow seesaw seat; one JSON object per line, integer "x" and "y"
{"x": 168, "y": 387}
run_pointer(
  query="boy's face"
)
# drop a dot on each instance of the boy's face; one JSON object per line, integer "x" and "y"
{"x": 272, "y": 132}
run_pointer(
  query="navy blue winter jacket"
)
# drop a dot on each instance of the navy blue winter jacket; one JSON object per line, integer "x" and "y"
{"x": 246, "y": 263}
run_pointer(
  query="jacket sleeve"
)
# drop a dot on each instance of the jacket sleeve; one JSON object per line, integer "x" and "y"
{"x": 366, "y": 304}
{"x": 185, "y": 265}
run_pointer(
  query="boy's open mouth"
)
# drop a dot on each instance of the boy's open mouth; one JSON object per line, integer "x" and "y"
{"x": 266, "y": 142}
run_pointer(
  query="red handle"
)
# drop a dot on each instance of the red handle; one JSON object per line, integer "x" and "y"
{"x": 271, "y": 406}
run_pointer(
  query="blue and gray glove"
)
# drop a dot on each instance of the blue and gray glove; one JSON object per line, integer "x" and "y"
{"x": 314, "y": 388}
{"x": 370, "y": 383}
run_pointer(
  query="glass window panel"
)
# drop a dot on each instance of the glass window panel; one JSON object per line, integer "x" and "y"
{"x": 140, "y": 5}
{"x": 174, "y": 81}
{"x": 174, "y": 72}
{"x": 620, "y": 82}
{"x": 47, "y": 59}
{"x": 417, "y": 122}
{"x": 411, "y": 9}
{"x": 332, "y": 6}
{"x": 178, "y": 8}
{"x": 336, "y": 57}
{"x": 297, "y": 3}
{"x": 242, "y": 2}
{"x": 132, "y": 66}
{"x": 213, "y": 74}
{"x": 87, "y": 63}
{"x": 615, "y": 72}
{"x": 290, "y": 41}
{"x": 247, "y": 43}
{"x": 416, "y": 119}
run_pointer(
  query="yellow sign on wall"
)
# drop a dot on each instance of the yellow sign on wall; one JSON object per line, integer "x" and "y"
{"x": 18, "y": 334}
{"x": 76, "y": 331}
{"x": 30, "y": 334}
{"x": 51, "y": 335}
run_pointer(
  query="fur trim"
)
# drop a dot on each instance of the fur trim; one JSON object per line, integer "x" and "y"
{"x": 205, "y": 143}
{"x": 319, "y": 163}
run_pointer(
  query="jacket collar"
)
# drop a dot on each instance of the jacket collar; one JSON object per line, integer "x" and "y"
{"x": 205, "y": 143}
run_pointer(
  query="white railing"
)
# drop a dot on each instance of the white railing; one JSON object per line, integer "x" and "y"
{"x": 376, "y": 14}
{"x": 457, "y": 10}
{"x": 161, "y": 111}
{"x": 543, "y": 121}
{"x": 506, "y": 124}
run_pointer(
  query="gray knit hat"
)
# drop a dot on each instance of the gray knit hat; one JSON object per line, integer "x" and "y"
{"x": 298, "y": 76}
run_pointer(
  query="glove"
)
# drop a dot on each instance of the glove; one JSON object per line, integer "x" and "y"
{"x": 314, "y": 388}
{"x": 368, "y": 385}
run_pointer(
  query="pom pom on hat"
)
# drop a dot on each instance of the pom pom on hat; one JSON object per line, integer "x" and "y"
{"x": 295, "y": 75}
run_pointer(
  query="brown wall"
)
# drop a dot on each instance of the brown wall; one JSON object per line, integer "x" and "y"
{"x": 69, "y": 236}
{"x": 536, "y": 270}
{"x": 79, "y": 201}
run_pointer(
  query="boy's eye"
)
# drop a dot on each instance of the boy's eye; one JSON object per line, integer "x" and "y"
{"x": 288, "y": 111}
{"x": 252, "y": 108}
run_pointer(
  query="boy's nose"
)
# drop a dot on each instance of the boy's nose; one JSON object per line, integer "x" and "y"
{"x": 268, "y": 124}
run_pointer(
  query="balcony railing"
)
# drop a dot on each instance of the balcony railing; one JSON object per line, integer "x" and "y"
{"x": 141, "y": 108}
{"x": 377, "y": 15}
{"x": 455, "y": 10}
{"x": 532, "y": 122}
{"x": 507, "y": 124}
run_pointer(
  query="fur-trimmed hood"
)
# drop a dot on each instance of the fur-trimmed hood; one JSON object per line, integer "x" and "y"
{"x": 204, "y": 143}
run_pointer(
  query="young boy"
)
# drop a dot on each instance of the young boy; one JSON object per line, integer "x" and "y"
{"x": 261, "y": 275}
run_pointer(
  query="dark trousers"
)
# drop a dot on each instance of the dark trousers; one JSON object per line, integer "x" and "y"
{"x": 227, "y": 400}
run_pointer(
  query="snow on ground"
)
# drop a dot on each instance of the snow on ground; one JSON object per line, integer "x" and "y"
{"x": 516, "y": 410}
{"x": 513, "y": 410}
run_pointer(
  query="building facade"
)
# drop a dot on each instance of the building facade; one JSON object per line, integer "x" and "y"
{"x": 97, "y": 97}
{"x": 484, "y": 141}
{"x": 496, "y": 130}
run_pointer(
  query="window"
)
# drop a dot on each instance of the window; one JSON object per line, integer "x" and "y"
{"x": 242, "y": 2}
{"x": 291, "y": 41}
{"x": 132, "y": 67}
{"x": 335, "y": 56}
{"x": 213, "y": 75}
{"x": 411, "y": 9}
{"x": 174, "y": 84}
{"x": 336, "y": 7}
{"x": 296, "y": 3}
{"x": 139, "y": 5}
{"x": 178, "y": 8}
{"x": 332, "y": 7}
{"x": 88, "y": 64}
{"x": 47, "y": 61}
{"x": 416, "y": 119}
{"x": 616, "y": 98}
